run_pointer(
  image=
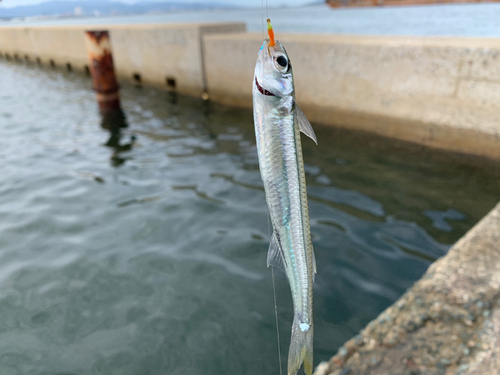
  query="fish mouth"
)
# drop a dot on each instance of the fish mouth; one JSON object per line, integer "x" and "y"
{"x": 262, "y": 90}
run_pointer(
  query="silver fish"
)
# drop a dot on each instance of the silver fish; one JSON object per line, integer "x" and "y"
{"x": 278, "y": 123}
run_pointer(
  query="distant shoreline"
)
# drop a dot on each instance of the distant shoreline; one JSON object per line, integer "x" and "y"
{"x": 461, "y": 20}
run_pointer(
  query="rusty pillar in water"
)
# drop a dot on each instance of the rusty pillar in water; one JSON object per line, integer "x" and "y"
{"x": 103, "y": 71}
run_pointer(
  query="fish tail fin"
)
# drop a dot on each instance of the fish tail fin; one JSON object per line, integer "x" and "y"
{"x": 301, "y": 348}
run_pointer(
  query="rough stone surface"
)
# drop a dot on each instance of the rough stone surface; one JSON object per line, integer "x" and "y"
{"x": 447, "y": 323}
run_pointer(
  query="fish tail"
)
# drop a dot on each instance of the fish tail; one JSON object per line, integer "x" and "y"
{"x": 301, "y": 347}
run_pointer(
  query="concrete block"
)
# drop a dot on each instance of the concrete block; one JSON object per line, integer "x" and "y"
{"x": 415, "y": 89}
{"x": 153, "y": 53}
{"x": 485, "y": 64}
{"x": 483, "y": 93}
{"x": 158, "y": 52}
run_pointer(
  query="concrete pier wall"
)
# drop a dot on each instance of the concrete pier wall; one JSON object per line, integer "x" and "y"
{"x": 153, "y": 53}
{"x": 447, "y": 323}
{"x": 440, "y": 92}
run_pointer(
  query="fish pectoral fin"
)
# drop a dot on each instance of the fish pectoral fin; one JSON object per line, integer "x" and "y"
{"x": 275, "y": 255}
{"x": 304, "y": 124}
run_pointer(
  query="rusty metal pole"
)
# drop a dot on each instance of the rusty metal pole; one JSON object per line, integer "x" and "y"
{"x": 103, "y": 71}
{"x": 104, "y": 79}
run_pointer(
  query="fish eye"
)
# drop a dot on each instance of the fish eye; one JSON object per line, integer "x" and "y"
{"x": 281, "y": 60}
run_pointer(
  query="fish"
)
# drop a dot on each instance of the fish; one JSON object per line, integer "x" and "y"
{"x": 278, "y": 123}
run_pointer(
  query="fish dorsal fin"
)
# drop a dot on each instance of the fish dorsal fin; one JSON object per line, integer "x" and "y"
{"x": 304, "y": 124}
{"x": 275, "y": 255}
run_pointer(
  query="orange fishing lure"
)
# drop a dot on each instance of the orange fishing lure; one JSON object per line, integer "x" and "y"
{"x": 270, "y": 32}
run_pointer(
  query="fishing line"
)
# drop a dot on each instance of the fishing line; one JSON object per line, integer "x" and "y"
{"x": 275, "y": 303}
{"x": 262, "y": 9}
{"x": 276, "y": 315}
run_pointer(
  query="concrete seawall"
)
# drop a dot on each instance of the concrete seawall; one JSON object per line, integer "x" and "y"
{"x": 440, "y": 92}
{"x": 160, "y": 55}
{"x": 447, "y": 323}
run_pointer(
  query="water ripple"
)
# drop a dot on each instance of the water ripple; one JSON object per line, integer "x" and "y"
{"x": 144, "y": 251}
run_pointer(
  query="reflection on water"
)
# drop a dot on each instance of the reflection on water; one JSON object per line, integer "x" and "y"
{"x": 114, "y": 122}
{"x": 157, "y": 265}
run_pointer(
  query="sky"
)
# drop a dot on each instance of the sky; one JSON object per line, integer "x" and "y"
{"x": 248, "y": 3}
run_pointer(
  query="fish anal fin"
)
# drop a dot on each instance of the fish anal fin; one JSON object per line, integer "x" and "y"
{"x": 275, "y": 256}
{"x": 304, "y": 124}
